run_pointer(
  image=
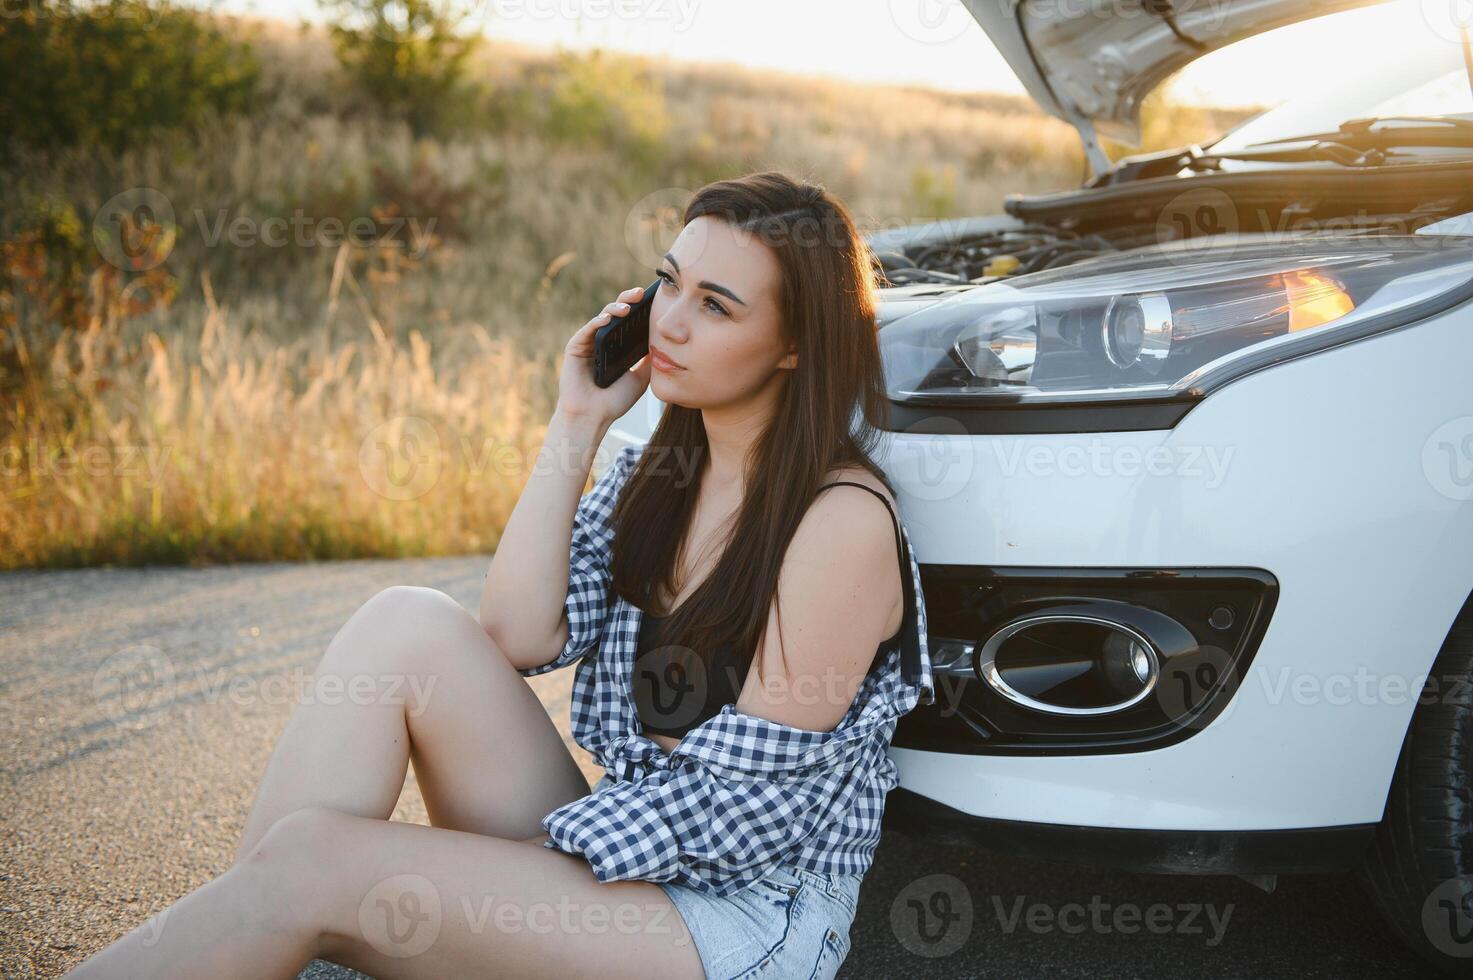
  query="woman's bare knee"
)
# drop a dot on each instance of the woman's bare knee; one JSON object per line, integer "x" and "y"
{"x": 288, "y": 877}
{"x": 299, "y": 838}
{"x": 412, "y": 605}
{"x": 405, "y": 630}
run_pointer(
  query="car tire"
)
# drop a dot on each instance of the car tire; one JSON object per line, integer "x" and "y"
{"x": 1419, "y": 870}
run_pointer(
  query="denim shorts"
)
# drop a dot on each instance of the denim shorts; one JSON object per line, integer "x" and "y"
{"x": 791, "y": 923}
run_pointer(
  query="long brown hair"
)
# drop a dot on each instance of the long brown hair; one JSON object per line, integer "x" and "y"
{"x": 827, "y": 416}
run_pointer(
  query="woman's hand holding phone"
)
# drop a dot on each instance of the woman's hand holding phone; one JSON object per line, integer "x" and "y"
{"x": 578, "y": 395}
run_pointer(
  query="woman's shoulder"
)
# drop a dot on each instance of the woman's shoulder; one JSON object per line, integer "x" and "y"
{"x": 850, "y": 514}
{"x": 857, "y": 514}
{"x": 854, "y": 473}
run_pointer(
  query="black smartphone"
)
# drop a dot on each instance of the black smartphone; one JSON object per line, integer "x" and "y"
{"x": 619, "y": 344}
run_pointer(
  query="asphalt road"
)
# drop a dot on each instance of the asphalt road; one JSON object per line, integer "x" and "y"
{"x": 140, "y": 706}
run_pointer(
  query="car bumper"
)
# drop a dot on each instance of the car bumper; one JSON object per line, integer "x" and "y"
{"x": 1323, "y": 471}
{"x": 1202, "y": 852}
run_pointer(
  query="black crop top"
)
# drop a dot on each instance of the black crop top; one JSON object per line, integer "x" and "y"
{"x": 675, "y": 689}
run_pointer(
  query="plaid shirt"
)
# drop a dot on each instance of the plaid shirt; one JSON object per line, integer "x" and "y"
{"x": 739, "y": 795}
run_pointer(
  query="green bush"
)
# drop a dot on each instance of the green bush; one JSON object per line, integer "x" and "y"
{"x": 408, "y": 56}
{"x": 104, "y": 75}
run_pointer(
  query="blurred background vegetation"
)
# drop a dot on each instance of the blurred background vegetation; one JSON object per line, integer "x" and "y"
{"x": 178, "y": 384}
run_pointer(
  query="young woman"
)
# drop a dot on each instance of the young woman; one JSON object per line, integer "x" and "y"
{"x": 742, "y": 603}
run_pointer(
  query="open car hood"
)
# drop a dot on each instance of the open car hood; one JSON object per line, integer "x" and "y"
{"x": 1091, "y": 62}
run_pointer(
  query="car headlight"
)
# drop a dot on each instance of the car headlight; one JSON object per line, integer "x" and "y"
{"x": 1164, "y": 324}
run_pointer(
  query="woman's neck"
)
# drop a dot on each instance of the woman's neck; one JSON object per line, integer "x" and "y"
{"x": 732, "y": 431}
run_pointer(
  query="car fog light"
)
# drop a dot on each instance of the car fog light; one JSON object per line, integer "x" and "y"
{"x": 1069, "y": 664}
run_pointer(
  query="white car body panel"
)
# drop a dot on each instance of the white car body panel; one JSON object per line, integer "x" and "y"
{"x": 1320, "y": 479}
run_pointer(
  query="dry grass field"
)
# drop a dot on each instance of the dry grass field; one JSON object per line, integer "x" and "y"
{"x": 262, "y": 382}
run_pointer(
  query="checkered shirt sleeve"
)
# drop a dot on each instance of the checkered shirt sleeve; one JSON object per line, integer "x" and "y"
{"x": 589, "y": 574}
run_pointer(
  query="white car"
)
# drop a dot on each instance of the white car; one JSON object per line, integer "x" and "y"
{"x": 1186, "y": 455}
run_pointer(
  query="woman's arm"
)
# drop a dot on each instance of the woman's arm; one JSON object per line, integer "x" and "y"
{"x": 840, "y": 587}
{"x": 522, "y": 603}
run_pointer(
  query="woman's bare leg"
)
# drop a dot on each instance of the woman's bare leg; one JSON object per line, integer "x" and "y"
{"x": 400, "y": 900}
{"x": 412, "y": 674}
{"x": 195, "y": 936}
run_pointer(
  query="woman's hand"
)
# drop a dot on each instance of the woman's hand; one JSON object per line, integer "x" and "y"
{"x": 577, "y": 394}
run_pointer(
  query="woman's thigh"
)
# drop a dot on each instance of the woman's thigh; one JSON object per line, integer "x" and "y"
{"x": 403, "y": 900}
{"x": 487, "y": 757}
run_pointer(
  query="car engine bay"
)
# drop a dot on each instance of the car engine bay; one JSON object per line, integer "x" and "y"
{"x": 1053, "y": 230}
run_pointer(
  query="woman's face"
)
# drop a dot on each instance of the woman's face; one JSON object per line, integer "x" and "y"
{"x": 716, "y": 315}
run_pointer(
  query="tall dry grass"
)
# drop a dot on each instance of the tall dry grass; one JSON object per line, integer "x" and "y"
{"x": 218, "y": 444}
{"x": 246, "y": 402}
